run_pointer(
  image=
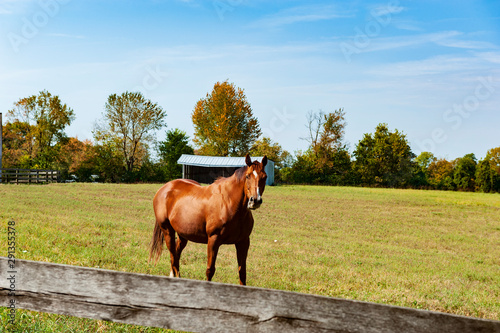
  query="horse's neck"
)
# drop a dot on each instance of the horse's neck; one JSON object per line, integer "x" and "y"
{"x": 235, "y": 190}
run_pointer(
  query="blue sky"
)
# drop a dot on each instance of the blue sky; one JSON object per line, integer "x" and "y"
{"x": 430, "y": 69}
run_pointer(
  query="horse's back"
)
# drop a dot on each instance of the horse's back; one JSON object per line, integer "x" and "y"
{"x": 173, "y": 185}
{"x": 167, "y": 193}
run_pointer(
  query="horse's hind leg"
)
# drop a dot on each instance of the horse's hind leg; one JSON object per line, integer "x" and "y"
{"x": 169, "y": 234}
{"x": 179, "y": 246}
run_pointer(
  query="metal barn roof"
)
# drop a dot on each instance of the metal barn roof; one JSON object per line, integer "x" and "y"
{"x": 214, "y": 161}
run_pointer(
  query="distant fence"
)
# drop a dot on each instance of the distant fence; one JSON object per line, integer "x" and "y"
{"x": 29, "y": 176}
{"x": 201, "y": 306}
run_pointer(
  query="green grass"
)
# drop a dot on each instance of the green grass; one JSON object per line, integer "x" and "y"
{"x": 430, "y": 250}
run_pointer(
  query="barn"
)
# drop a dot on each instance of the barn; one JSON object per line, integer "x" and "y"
{"x": 206, "y": 169}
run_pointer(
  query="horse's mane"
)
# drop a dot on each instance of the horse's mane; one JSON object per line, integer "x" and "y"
{"x": 239, "y": 173}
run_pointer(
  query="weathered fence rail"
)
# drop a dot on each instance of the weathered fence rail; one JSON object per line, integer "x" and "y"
{"x": 29, "y": 176}
{"x": 201, "y": 306}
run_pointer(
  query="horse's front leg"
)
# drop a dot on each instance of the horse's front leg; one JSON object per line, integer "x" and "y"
{"x": 212, "y": 250}
{"x": 241, "y": 254}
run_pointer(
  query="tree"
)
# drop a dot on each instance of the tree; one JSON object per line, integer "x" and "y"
{"x": 494, "y": 156}
{"x": 424, "y": 160}
{"x": 175, "y": 144}
{"x": 273, "y": 151}
{"x": 224, "y": 123}
{"x": 464, "y": 173}
{"x": 484, "y": 175}
{"x": 384, "y": 158}
{"x": 327, "y": 160}
{"x": 326, "y": 131}
{"x": 487, "y": 175}
{"x": 76, "y": 158}
{"x": 441, "y": 174}
{"x": 47, "y": 117}
{"x": 128, "y": 121}
{"x": 17, "y": 145}
{"x": 421, "y": 171}
{"x": 108, "y": 162}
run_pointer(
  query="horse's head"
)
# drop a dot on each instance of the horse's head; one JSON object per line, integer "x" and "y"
{"x": 255, "y": 181}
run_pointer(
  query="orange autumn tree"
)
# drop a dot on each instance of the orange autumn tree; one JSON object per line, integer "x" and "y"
{"x": 77, "y": 158}
{"x": 224, "y": 123}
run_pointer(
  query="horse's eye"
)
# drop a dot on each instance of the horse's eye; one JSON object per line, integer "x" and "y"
{"x": 248, "y": 176}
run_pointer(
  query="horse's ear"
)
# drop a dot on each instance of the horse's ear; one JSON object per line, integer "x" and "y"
{"x": 264, "y": 160}
{"x": 248, "y": 160}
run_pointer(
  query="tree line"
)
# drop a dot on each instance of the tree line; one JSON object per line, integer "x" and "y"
{"x": 124, "y": 148}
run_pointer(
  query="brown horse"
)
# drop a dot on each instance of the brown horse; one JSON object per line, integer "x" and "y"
{"x": 213, "y": 215}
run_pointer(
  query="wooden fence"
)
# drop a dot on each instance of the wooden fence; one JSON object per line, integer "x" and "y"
{"x": 200, "y": 306}
{"x": 29, "y": 176}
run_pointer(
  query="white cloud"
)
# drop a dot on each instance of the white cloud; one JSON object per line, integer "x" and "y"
{"x": 491, "y": 57}
{"x": 299, "y": 14}
{"x": 389, "y": 43}
{"x": 466, "y": 44}
{"x": 452, "y": 39}
{"x": 479, "y": 63}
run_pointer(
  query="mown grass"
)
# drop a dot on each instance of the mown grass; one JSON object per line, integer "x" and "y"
{"x": 430, "y": 250}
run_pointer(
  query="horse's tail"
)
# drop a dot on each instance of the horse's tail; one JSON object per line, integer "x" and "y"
{"x": 156, "y": 245}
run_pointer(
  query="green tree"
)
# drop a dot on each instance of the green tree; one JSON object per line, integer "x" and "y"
{"x": 48, "y": 118}
{"x": 224, "y": 123}
{"x": 326, "y": 131}
{"x": 421, "y": 171}
{"x": 424, "y": 160}
{"x": 488, "y": 172}
{"x": 384, "y": 158}
{"x": 484, "y": 175}
{"x": 108, "y": 162}
{"x": 170, "y": 150}
{"x": 494, "y": 156}
{"x": 273, "y": 151}
{"x": 464, "y": 173}
{"x": 327, "y": 160}
{"x": 128, "y": 122}
{"x": 441, "y": 174}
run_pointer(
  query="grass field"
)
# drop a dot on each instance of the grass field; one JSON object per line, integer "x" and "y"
{"x": 430, "y": 250}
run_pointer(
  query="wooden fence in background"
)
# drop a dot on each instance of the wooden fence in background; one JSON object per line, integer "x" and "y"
{"x": 29, "y": 176}
{"x": 201, "y": 306}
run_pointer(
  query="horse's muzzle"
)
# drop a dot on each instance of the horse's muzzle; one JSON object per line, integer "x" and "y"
{"x": 254, "y": 203}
